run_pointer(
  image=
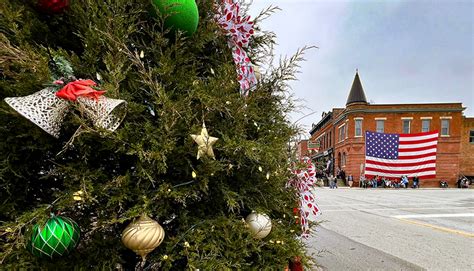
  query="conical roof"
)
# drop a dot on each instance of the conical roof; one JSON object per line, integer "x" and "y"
{"x": 357, "y": 94}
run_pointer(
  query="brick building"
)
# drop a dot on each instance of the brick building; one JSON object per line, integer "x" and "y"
{"x": 341, "y": 133}
{"x": 302, "y": 148}
{"x": 467, "y": 148}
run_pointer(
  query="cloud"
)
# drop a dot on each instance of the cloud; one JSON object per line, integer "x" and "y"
{"x": 404, "y": 52}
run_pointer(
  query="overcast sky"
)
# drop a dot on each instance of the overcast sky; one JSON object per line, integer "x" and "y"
{"x": 406, "y": 51}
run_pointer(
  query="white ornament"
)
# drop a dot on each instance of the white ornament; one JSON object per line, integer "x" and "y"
{"x": 260, "y": 224}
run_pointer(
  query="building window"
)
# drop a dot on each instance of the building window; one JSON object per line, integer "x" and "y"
{"x": 380, "y": 126}
{"x": 330, "y": 138}
{"x": 339, "y": 160}
{"x": 342, "y": 132}
{"x": 358, "y": 127}
{"x": 445, "y": 127}
{"x": 471, "y": 136}
{"x": 406, "y": 126}
{"x": 425, "y": 125}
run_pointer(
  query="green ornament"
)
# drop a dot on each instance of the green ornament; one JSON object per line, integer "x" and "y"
{"x": 57, "y": 237}
{"x": 179, "y": 14}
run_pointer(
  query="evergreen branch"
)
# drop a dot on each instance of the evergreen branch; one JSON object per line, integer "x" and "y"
{"x": 69, "y": 143}
{"x": 181, "y": 184}
{"x": 267, "y": 12}
{"x": 186, "y": 233}
{"x": 16, "y": 231}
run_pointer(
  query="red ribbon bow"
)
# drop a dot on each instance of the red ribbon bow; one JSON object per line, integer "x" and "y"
{"x": 78, "y": 88}
{"x": 239, "y": 30}
{"x": 304, "y": 181}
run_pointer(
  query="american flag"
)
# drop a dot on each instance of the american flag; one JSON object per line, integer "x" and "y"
{"x": 394, "y": 155}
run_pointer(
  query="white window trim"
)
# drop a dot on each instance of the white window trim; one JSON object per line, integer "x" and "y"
{"x": 426, "y": 118}
{"x": 358, "y": 118}
{"x": 376, "y": 119}
{"x": 355, "y": 128}
{"x": 407, "y": 118}
{"x": 441, "y": 126}
{"x": 409, "y": 125}
{"x": 340, "y": 135}
{"x": 341, "y": 126}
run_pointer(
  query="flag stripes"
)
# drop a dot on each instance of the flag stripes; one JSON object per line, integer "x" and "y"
{"x": 394, "y": 155}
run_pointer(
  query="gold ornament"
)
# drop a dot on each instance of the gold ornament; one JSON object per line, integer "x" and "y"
{"x": 205, "y": 143}
{"x": 143, "y": 236}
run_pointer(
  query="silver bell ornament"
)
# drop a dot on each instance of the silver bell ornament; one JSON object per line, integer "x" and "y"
{"x": 105, "y": 113}
{"x": 42, "y": 108}
{"x": 259, "y": 224}
{"x": 47, "y": 110}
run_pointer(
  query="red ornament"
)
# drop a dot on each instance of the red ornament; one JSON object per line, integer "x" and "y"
{"x": 295, "y": 264}
{"x": 53, "y": 6}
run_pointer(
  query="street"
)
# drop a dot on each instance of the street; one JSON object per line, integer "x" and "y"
{"x": 394, "y": 229}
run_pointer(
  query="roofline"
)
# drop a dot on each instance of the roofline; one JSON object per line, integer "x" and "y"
{"x": 401, "y": 110}
{"x": 311, "y": 132}
{"x": 416, "y": 104}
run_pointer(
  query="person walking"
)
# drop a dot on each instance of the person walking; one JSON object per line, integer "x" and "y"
{"x": 362, "y": 181}
{"x": 374, "y": 181}
{"x": 350, "y": 180}
{"x": 416, "y": 182}
{"x": 405, "y": 181}
{"x": 332, "y": 183}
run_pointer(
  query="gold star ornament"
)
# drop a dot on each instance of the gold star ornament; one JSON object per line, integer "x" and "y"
{"x": 205, "y": 143}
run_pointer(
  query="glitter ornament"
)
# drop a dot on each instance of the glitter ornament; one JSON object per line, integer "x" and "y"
{"x": 180, "y": 15}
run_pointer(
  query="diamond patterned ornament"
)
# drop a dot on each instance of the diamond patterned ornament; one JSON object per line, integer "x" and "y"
{"x": 57, "y": 237}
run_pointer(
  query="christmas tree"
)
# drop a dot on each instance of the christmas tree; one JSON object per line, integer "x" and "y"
{"x": 171, "y": 68}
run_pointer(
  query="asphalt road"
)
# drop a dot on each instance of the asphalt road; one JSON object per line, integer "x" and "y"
{"x": 388, "y": 229}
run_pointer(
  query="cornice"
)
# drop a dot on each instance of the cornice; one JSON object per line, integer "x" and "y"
{"x": 395, "y": 110}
